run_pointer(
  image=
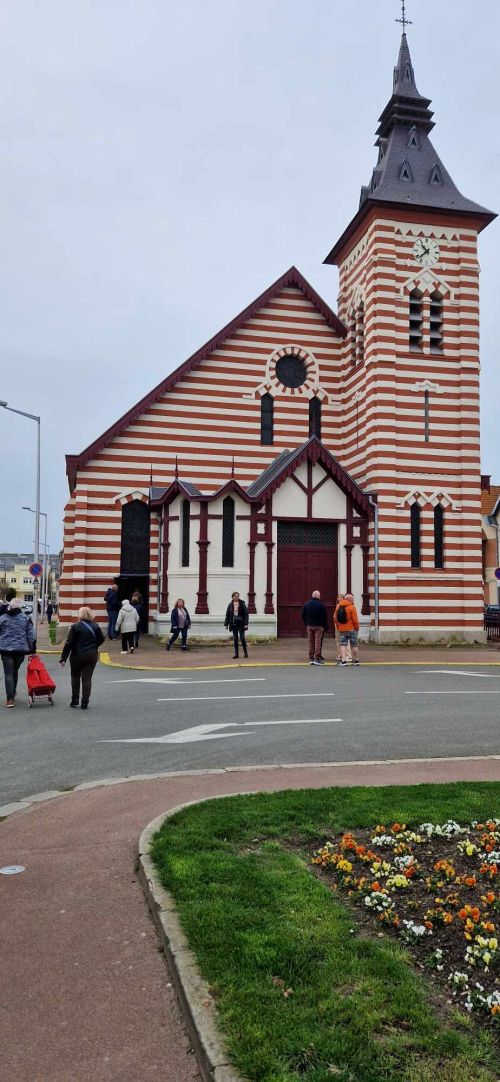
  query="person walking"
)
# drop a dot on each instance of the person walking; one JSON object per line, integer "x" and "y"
{"x": 113, "y": 607}
{"x": 315, "y": 620}
{"x": 49, "y": 612}
{"x": 9, "y": 596}
{"x": 347, "y": 621}
{"x": 237, "y": 622}
{"x": 136, "y": 601}
{"x": 180, "y": 622}
{"x": 82, "y": 648}
{"x": 127, "y": 622}
{"x": 17, "y": 638}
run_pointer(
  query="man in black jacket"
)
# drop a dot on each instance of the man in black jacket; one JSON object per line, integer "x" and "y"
{"x": 316, "y": 622}
{"x": 113, "y": 605}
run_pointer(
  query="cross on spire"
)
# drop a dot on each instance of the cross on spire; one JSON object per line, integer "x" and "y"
{"x": 403, "y": 20}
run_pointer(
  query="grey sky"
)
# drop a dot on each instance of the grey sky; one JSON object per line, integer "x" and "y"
{"x": 163, "y": 163}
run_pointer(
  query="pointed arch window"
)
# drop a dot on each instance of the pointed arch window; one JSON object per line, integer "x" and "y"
{"x": 439, "y": 535}
{"x": 315, "y": 417}
{"x": 413, "y": 138}
{"x": 185, "y": 533}
{"x": 416, "y": 321}
{"x": 415, "y": 515}
{"x": 266, "y": 419}
{"x": 228, "y": 532}
{"x": 436, "y": 323}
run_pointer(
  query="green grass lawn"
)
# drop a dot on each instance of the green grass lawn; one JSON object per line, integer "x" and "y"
{"x": 301, "y": 993}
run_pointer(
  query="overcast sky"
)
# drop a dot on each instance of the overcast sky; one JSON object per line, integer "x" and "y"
{"x": 163, "y": 163}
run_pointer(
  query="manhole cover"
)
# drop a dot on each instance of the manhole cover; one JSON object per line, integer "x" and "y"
{"x": 12, "y": 869}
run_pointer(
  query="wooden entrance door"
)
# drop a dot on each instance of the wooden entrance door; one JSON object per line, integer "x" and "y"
{"x": 307, "y": 561}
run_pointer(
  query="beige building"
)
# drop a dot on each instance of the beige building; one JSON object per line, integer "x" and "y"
{"x": 19, "y": 579}
{"x": 490, "y": 508}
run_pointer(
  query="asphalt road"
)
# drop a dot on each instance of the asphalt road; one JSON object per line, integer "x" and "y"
{"x": 145, "y": 723}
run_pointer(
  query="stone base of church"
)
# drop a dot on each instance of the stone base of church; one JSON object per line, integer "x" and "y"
{"x": 212, "y": 626}
{"x": 434, "y": 635}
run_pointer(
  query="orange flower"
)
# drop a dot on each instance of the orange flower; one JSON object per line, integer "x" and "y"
{"x": 376, "y": 885}
{"x": 495, "y": 1009}
{"x": 428, "y": 924}
{"x": 470, "y": 880}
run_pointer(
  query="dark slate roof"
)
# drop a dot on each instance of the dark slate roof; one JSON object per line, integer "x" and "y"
{"x": 157, "y": 493}
{"x": 271, "y": 471}
{"x": 409, "y": 170}
{"x": 190, "y": 489}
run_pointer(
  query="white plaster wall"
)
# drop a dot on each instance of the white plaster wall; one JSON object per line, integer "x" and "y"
{"x": 357, "y": 576}
{"x": 260, "y": 576}
{"x": 342, "y": 535}
{"x": 290, "y": 500}
{"x": 330, "y": 501}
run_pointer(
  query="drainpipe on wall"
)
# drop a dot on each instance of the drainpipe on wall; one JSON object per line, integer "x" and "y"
{"x": 374, "y": 505}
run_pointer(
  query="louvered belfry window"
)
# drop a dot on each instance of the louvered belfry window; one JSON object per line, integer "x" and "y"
{"x": 266, "y": 418}
{"x": 228, "y": 532}
{"x": 185, "y": 533}
{"x": 416, "y": 328}
{"x": 415, "y": 535}
{"x": 436, "y": 323}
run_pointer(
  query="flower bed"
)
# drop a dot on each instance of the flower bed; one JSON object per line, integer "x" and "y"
{"x": 436, "y": 886}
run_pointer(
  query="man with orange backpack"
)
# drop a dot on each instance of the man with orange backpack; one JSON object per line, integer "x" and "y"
{"x": 347, "y": 621}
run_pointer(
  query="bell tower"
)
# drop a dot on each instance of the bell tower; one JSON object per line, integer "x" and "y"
{"x": 409, "y": 295}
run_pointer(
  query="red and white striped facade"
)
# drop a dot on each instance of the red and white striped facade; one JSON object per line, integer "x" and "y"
{"x": 399, "y": 426}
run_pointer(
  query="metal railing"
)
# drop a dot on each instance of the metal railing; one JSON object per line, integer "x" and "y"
{"x": 492, "y": 626}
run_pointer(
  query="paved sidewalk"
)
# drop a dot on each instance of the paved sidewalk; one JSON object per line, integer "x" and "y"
{"x": 86, "y": 992}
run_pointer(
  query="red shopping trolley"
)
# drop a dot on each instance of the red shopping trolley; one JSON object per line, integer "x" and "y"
{"x": 40, "y": 683}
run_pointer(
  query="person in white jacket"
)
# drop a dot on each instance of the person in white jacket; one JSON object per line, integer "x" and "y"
{"x": 128, "y": 619}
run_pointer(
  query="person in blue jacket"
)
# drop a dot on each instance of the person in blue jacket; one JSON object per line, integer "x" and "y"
{"x": 17, "y": 638}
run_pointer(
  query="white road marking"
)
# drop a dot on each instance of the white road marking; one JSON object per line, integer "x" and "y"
{"x": 459, "y": 672}
{"x": 461, "y": 692}
{"x": 181, "y": 680}
{"x": 210, "y": 731}
{"x": 227, "y": 698}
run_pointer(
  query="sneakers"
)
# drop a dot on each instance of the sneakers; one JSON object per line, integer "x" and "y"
{"x": 132, "y": 648}
{"x": 311, "y": 661}
{"x": 235, "y": 657}
{"x": 9, "y": 704}
{"x": 343, "y": 662}
{"x": 320, "y": 661}
{"x": 84, "y": 706}
{"x": 74, "y": 702}
{"x": 123, "y": 651}
{"x": 355, "y": 662}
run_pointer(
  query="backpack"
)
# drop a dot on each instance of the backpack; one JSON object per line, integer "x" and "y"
{"x": 342, "y": 615}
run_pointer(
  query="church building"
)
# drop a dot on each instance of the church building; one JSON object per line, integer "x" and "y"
{"x": 301, "y": 449}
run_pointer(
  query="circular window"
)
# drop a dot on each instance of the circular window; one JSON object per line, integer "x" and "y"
{"x": 291, "y": 371}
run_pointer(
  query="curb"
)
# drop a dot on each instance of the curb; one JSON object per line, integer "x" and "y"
{"x": 106, "y": 659}
{"x": 197, "y": 1004}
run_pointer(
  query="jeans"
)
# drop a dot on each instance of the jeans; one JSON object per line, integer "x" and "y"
{"x": 176, "y": 631}
{"x": 112, "y": 618}
{"x": 12, "y": 662}
{"x": 238, "y": 629}
{"x": 82, "y": 666}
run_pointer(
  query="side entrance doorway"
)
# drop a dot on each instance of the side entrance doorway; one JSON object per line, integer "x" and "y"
{"x": 307, "y": 561}
{"x": 127, "y": 584}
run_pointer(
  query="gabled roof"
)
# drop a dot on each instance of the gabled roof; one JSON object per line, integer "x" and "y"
{"x": 289, "y": 461}
{"x": 292, "y": 277}
{"x": 489, "y": 499}
{"x": 282, "y": 467}
{"x": 409, "y": 171}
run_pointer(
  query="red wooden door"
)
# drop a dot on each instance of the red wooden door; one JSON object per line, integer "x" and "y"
{"x": 307, "y": 561}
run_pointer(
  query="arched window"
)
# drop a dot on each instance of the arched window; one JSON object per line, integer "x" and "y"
{"x": 228, "y": 532}
{"x": 134, "y": 559}
{"x": 439, "y": 535}
{"x": 415, "y": 534}
{"x": 315, "y": 417}
{"x": 416, "y": 328}
{"x": 185, "y": 533}
{"x": 353, "y": 339}
{"x": 266, "y": 418}
{"x": 436, "y": 323}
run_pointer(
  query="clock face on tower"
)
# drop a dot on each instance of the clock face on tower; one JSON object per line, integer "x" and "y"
{"x": 426, "y": 251}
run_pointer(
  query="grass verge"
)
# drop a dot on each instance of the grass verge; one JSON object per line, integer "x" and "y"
{"x": 300, "y": 994}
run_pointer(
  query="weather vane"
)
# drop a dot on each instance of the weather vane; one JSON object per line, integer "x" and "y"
{"x": 403, "y": 20}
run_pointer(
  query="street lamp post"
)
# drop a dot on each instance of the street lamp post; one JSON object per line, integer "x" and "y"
{"x": 33, "y": 417}
{"x": 44, "y": 575}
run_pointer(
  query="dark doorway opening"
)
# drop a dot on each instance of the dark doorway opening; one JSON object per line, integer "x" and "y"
{"x": 127, "y": 584}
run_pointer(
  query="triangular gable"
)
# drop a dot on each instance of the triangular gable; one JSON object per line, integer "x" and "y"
{"x": 293, "y": 277}
{"x": 315, "y": 451}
